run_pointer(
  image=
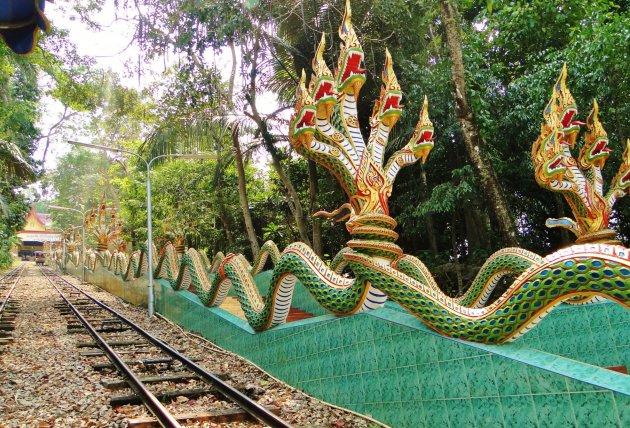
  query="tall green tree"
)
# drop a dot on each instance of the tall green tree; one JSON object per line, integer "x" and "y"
{"x": 496, "y": 203}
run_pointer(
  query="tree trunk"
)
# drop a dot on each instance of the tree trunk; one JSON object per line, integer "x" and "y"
{"x": 232, "y": 76}
{"x": 458, "y": 268}
{"x": 223, "y": 215}
{"x": 317, "y": 224}
{"x": 132, "y": 237}
{"x": 292, "y": 197}
{"x": 242, "y": 193}
{"x": 482, "y": 223}
{"x": 497, "y": 206}
{"x": 269, "y": 142}
{"x": 472, "y": 232}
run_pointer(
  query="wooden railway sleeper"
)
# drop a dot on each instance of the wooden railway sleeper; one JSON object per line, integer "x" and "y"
{"x": 164, "y": 396}
{"x": 174, "y": 378}
{"x": 114, "y": 343}
{"x": 121, "y": 352}
{"x": 149, "y": 362}
{"x": 216, "y": 416}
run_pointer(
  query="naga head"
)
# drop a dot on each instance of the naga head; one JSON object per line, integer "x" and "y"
{"x": 102, "y": 226}
{"x": 322, "y": 86}
{"x": 566, "y": 109}
{"x": 325, "y": 128}
{"x": 71, "y": 240}
{"x": 595, "y": 150}
{"x": 388, "y": 109}
{"x": 350, "y": 74}
{"x": 549, "y": 159}
{"x": 302, "y": 124}
{"x": 580, "y": 181}
{"x": 553, "y": 167}
{"x": 421, "y": 142}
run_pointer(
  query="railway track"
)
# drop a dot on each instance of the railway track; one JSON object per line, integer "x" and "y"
{"x": 150, "y": 368}
{"x": 8, "y": 307}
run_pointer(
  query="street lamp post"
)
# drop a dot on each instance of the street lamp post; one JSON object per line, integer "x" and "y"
{"x": 150, "y": 303}
{"x": 55, "y": 207}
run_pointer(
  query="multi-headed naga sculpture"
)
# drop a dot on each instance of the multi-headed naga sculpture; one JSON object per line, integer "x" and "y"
{"x": 579, "y": 181}
{"x": 176, "y": 229}
{"x": 105, "y": 227}
{"x": 73, "y": 244}
{"x": 325, "y": 128}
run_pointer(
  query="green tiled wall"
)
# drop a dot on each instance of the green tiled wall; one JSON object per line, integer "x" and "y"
{"x": 387, "y": 364}
{"x": 597, "y": 334}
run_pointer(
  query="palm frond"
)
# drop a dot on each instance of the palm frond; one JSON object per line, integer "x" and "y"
{"x": 186, "y": 136}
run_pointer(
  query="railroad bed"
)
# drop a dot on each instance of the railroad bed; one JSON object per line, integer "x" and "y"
{"x": 8, "y": 306}
{"x": 47, "y": 374}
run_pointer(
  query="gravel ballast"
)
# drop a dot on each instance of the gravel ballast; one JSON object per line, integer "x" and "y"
{"x": 45, "y": 383}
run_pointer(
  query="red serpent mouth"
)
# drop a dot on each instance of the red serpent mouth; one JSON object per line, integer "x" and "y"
{"x": 566, "y": 120}
{"x": 353, "y": 66}
{"x": 555, "y": 164}
{"x": 392, "y": 102}
{"x": 600, "y": 148}
{"x": 324, "y": 90}
{"x": 306, "y": 120}
{"x": 426, "y": 136}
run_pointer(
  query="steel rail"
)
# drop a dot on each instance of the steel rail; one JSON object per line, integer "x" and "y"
{"x": 164, "y": 417}
{"x": 250, "y": 406}
{"x": 17, "y": 273}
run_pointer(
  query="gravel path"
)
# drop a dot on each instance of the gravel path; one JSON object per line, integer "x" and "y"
{"x": 45, "y": 383}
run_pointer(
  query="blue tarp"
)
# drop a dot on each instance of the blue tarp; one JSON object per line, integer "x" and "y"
{"x": 20, "y": 20}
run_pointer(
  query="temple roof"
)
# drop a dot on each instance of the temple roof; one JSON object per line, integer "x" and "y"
{"x": 35, "y": 221}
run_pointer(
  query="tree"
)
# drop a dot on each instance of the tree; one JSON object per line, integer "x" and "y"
{"x": 242, "y": 194}
{"x": 496, "y": 203}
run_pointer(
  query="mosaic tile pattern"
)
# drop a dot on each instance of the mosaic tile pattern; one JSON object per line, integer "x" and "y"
{"x": 408, "y": 376}
{"x": 596, "y": 334}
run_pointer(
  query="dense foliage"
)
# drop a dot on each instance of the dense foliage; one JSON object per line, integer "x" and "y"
{"x": 19, "y": 95}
